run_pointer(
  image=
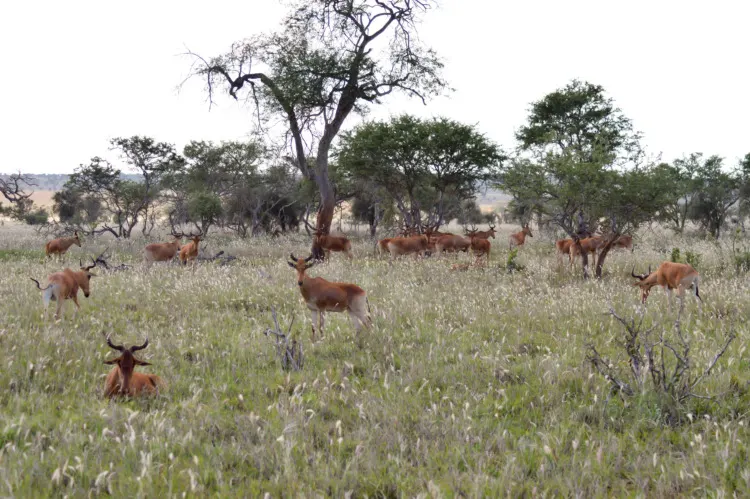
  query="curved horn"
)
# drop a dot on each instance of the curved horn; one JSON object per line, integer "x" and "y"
{"x": 309, "y": 258}
{"x": 112, "y": 345}
{"x": 632, "y": 272}
{"x": 291, "y": 255}
{"x": 135, "y": 348}
{"x": 90, "y": 266}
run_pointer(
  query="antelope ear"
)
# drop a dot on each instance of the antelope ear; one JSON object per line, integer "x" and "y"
{"x": 112, "y": 361}
{"x": 141, "y": 362}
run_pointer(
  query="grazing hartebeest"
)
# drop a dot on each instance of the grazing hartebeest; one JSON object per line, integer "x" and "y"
{"x": 122, "y": 381}
{"x": 60, "y": 246}
{"x": 398, "y": 246}
{"x": 519, "y": 238}
{"x": 333, "y": 243}
{"x": 189, "y": 252}
{"x": 669, "y": 275}
{"x": 64, "y": 285}
{"x": 323, "y": 296}
{"x": 452, "y": 243}
{"x": 480, "y": 247}
{"x": 162, "y": 252}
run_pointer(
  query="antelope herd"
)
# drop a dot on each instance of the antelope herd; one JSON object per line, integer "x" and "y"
{"x": 321, "y": 296}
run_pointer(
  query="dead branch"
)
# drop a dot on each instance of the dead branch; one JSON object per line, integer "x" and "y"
{"x": 292, "y": 356}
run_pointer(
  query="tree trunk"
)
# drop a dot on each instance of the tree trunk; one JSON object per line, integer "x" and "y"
{"x": 603, "y": 255}
{"x": 327, "y": 201}
{"x": 584, "y": 257}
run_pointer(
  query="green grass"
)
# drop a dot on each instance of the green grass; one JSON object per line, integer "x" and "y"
{"x": 471, "y": 383}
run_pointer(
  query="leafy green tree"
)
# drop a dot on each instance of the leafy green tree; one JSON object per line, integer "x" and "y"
{"x": 331, "y": 58}
{"x": 421, "y": 164}
{"x": 153, "y": 161}
{"x": 581, "y": 161}
{"x": 715, "y": 192}
{"x": 120, "y": 202}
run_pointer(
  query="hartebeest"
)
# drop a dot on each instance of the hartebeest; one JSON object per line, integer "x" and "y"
{"x": 563, "y": 248}
{"x": 452, "y": 243}
{"x": 332, "y": 243}
{"x": 398, "y": 246}
{"x": 481, "y": 234}
{"x": 60, "y": 246}
{"x": 189, "y": 252}
{"x": 122, "y": 381}
{"x": 669, "y": 275}
{"x": 519, "y": 238}
{"x": 625, "y": 242}
{"x": 480, "y": 247}
{"x": 65, "y": 285}
{"x": 590, "y": 245}
{"x": 162, "y": 252}
{"x": 323, "y": 296}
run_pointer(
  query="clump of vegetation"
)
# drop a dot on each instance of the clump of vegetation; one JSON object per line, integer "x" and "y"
{"x": 692, "y": 258}
{"x": 511, "y": 265}
{"x": 661, "y": 365}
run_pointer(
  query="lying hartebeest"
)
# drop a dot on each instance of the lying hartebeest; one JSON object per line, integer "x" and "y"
{"x": 519, "y": 238}
{"x": 189, "y": 252}
{"x": 669, "y": 275}
{"x": 332, "y": 243}
{"x": 60, "y": 246}
{"x": 162, "y": 252}
{"x": 64, "y": 285}
{"x": 323, "y": 296}
{"x": 122, "y": 381}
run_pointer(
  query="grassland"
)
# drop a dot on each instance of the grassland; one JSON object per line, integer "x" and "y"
{"x": 470, "y": 383}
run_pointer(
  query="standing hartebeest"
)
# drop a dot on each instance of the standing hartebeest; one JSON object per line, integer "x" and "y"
{"x": 323, "y": 296}
{"x": 162, "y": 252}
{"x": 122, "y": 381}
{"x": 519, "y": 238}
{"x": 669, "y": 275}
{"x": 60, "y": 246}
{"x": 328, "y": 244}
{"x": 590, "y": 245}
{"x": 398, "y": 246}
{"x": 189, "y": 252}
{"x": 482, "y": 234}
{"x": 452, "y": 243}
{"x": 64, "y": 285}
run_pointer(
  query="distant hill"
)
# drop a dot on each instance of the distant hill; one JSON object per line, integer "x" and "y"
{"x": 55, "y": 181}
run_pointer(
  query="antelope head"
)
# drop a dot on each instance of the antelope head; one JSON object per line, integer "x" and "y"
{"x": 76, "y": 239}
{"x": 300, "y": 265}
{"x": 86, "y": 277}
{"x": 126, "y": 361}
{"x": 643, "y": 282}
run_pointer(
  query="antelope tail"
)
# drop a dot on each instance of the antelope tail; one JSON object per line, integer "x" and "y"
{"x": 45, "y": 289}
{"x": 368, "y": 302}
{"x": 696, "y": 292}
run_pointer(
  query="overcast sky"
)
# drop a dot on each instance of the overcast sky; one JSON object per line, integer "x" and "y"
{"x": 76, "y": 74}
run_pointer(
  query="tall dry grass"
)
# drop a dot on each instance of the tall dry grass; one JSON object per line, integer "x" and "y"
{"x": 470, "y": 383}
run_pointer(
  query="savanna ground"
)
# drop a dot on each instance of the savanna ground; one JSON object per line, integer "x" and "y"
{"x": 470, "y": 383}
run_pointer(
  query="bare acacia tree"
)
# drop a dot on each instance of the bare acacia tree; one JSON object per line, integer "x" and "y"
{"x": 331, "y": 58}
{"x": 13, "y": 188}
